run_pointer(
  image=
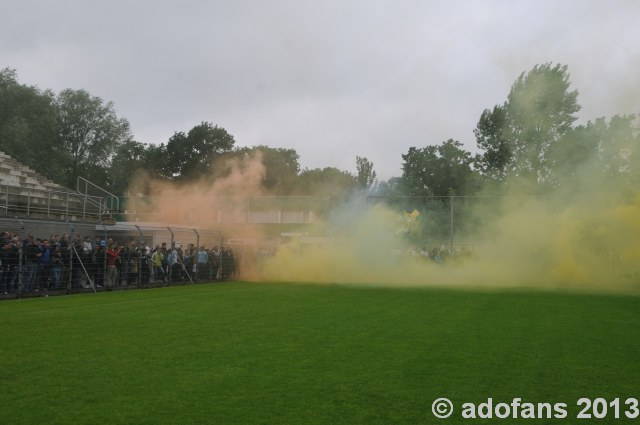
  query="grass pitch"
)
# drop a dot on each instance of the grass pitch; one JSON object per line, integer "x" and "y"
{"x": 240, "y": 353}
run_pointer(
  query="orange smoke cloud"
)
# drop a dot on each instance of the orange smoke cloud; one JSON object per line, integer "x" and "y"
{"x": 207, "y": 201}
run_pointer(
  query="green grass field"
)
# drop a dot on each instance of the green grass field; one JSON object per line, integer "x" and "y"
{"x": 293, "y": 354}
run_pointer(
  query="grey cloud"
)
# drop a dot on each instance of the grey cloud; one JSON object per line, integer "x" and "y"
{"x": 331, "y": 79}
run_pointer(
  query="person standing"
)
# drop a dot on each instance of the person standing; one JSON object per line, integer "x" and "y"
{"x": 56, "y": 267}
{"x": 98, "y": 263}
{"x": 14, "y": 263}
{"x": 8, "y": 266}
{"x": 157, "y": 259}
{"x": 123, "y": 265}
{"x": 31, "y": 264}
{"x": 45, "y": 259}
{"x": 134, "y": 263}
{"x": 217, "y": 263}
{"x": 173, "y": 264}
{"x": 203, "y": 262}
{"x": 145, "y": 259}
{"x": 165, "y": 255}
{"x": 113, "y": 254}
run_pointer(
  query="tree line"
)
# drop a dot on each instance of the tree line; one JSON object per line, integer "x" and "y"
{"x": 82, "y": 135}
{"x": 532, "y": 137}
{"x": 531, "y": 142}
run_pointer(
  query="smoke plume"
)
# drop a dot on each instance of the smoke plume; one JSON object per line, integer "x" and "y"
{"x": 583, "y": 233}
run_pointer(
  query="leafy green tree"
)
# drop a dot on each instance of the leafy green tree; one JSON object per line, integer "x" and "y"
{"x": 29, "y": 125}
{"x": 491, "y": 139}
{"x": 392, "y": 187}
{"x": 600, "y": 152}
{"x": 394, "y": 194}
{"x": 440, "y": 170}
{"x": 90, "y": 132}
{"x": 329, "y": 181}
{"x": 518, "y": 137}
{"x": 575, "y": 154}
{"x": 281, "y": 167}
{"x": 365, "y": 175}
{"x": 191, "y": 156}
{"x": 157, "y": 161}
{"x": 619, "y": 148}
{"x": 130, "y": 161}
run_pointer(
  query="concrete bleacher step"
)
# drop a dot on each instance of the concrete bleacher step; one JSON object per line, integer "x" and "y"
{"x": 10, "y": 169}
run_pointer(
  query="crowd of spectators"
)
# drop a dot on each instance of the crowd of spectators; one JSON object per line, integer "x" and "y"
{"x": 62, "y": 262}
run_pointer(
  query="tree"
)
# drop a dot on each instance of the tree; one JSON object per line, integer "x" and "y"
{"x": 157, "y": 161}
{"x": 191, "y": 156}
{"x": 613, "y": 149}
{"x": 281, "y": 166}
{"x": 575, "y": 154}
{"x": 392, "y": 187}
{"x": 619, "y": 148}
{"x": 365, "y": 175}
{"x": 131, "y": 160}
{"x": 90, "y": 132}
{"x": 29, "y": 125}
{"x": 327, "y": 181}
{"x": 440, "y": 170}
{"x": 490, "y": 137}
{"x": 518, "y": 137}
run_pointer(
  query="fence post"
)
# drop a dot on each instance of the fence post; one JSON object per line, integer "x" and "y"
{"x": 104, "y": 256}
{"x": 170, "y": 250}
{"x": 451, "y": 228}
{"x": 195, "y": 260}
{"x": 141, "y": 253}
{"x": 20, "y": 254}
{"x": 71, "y": 241}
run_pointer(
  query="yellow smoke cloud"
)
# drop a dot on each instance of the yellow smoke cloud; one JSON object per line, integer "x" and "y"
{"x": 536, "y": 243}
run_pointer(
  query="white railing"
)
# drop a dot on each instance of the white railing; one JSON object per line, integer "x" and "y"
{"x": 50, "y": 204}
{"x": 109, "y": 203}
{"x": 237, "y": 210}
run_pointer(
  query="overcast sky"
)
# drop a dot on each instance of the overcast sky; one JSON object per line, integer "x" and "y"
{"x": 332, "y": 79}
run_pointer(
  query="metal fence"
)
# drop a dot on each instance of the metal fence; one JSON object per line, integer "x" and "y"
{"x": 86, "y": 271}
{"x": 452, "y": 221}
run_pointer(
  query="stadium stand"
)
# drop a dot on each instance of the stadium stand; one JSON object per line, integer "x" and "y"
{"x": 26, "y": 193}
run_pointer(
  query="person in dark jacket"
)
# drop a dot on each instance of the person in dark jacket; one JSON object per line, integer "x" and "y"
{"x": 30, "y": 269}
{"x": 44, "y": 272}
